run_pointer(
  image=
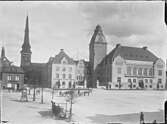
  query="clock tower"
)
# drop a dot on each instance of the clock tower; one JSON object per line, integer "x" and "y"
{"x": 26, "y": 48}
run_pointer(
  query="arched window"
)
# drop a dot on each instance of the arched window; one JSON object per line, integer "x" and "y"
{"x": 134, "y": 71}
{"x": 150, "y": 72}
{"x": 140, "y": 71}
{"x": 128, "y": 70}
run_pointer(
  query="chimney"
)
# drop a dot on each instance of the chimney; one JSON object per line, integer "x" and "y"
{"x": 61, "y": 50}
{"x": 145, "y": 48}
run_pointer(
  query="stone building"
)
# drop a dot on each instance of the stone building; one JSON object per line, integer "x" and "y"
{"x": 66, "y": 72}
{"x": 128, "y": 68}
{"x": 97, "y": 51}
{"x": 12, "y": 76}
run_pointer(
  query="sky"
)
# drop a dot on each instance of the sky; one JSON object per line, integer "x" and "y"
{"x": 70, "y": 26}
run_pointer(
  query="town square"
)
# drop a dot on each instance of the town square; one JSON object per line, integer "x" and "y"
{"x": 83, "y": 63}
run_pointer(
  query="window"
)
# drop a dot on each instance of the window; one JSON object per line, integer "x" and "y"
{"x": 64, "y": 76}
{"x": 160, "y": 72}
{"x": 150, "y": 72}
{"x": 134, "y": 80}
{"x": 63, "y": 83}
{"x": 145, "y": 86}
{"x": 119, "y": 79}
{"x": 17, "y": 78}
{"x": 70, "y": 76}
{"x": 145, "y": 72}
{"x": 64, "y": 69}
{"x": 129, "y": 80}
{"x": 146, "y": 80}
{"x": 57, "y": 75}
{"x": 116, "y": 85}
{"x": 140, "y": 71}
{"x": 150, "y": 86}
{"x": 9, "y": 77}
{"x": 57, "y": 68}
{"x": 129, "y": 70}
{"x": 119, "y": 70}
{"x": 70, "y": 69}
{"x": 159, "y": 81}
{"x": 151, "y": 80}
{"x": 134, "y": 71}
{"x": 134, "y": 86}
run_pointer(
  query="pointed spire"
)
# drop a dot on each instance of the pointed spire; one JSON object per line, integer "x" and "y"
{"x": 3, "y": 52}
{"x": 26, "y": 45}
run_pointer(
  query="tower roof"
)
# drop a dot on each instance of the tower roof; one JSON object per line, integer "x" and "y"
{"x": 98, "y": 36}
{"x": 3, "y": 52}
{"x": 26, "y": 48}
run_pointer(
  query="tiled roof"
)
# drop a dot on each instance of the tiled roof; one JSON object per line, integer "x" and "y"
{"x": 60, "y": 56}
{"x": 12, "y": 69}
{"x": 131, "y": 53}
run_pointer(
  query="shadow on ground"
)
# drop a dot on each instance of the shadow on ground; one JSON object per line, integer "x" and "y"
{"x": 133, "y": 118}
{"x": 46, "y": 114}
{"x": 16, "y": 100}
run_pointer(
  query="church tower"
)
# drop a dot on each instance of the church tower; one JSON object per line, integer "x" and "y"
{"x": 97, "y": 50}
{"x": 3, "y": 53}
{"x": 26, "y": 48}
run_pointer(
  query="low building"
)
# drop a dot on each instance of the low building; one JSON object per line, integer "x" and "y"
{"x": 12, "y": 76}
{"x": 131, "y": 68}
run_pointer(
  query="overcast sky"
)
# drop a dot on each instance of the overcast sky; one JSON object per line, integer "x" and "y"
{"x": 70, "y": 25}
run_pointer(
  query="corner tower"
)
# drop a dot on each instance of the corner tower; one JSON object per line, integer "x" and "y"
{"x": 26, "y": 48}
{"x": 97, "y": 50}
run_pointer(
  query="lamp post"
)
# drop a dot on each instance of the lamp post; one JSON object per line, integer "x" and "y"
{"x": 42, "y": 95}
{"x": 1, "y": 102}
{"x": 34, "y": 93}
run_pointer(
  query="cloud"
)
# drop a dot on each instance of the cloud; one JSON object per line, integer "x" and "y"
{"x": 123, "y": 19}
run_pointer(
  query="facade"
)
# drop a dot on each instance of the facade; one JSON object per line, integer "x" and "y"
{"x": 80, "y": 72}
{"x": 63, "y": 71}
{"x": 97, "y": 51}
{"x": 12, "y": 76}
{"x": 66, "y": 72}
{"x": 131, "y": 68}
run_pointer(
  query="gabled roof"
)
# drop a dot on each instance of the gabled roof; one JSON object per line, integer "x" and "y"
{"x": 131, "y": 53}
{"x": 57, "y": 59}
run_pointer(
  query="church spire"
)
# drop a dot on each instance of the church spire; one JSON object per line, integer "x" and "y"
{"x": 3, "y": 52}
{"x": 26, "y": 48}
